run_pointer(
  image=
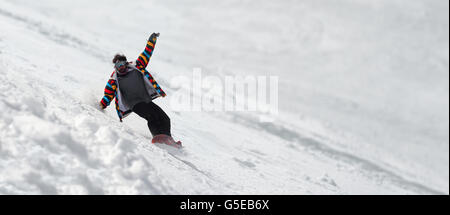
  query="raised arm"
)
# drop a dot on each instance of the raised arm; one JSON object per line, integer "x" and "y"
{"x": 145, "y": 56}
{"x": 110, "y": 92}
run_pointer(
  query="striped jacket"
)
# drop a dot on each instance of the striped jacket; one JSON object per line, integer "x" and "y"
{"x": 112, "y": 86}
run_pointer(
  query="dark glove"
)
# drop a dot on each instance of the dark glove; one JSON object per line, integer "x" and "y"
{"x": 102, "y": 106}
{"x": 154, "y": 35}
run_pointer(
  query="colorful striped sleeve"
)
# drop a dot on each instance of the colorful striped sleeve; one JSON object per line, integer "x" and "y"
{"x": 110, "y": 92}
{"x": 144, "y": 57}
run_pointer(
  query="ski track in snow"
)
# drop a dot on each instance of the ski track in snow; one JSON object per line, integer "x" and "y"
{"x": 52, "y": 143}
{"x": 316, "y": 146}
{"x": 56, "y": 35}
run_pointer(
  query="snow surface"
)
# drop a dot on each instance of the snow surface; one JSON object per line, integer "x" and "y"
{"x": 364, "y": 97}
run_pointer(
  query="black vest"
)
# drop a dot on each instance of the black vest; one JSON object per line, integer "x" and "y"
{"x": 132, "y": 87}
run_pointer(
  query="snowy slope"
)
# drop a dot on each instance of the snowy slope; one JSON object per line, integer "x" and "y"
{"x": 363, "y": 97}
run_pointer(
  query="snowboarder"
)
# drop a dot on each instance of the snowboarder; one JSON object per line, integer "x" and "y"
{"x": 134, "y": 90}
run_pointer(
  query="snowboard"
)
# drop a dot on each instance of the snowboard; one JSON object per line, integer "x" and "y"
{"x": 166, "y": 140}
